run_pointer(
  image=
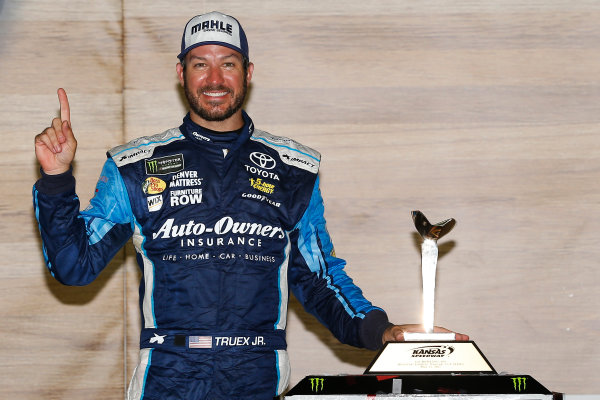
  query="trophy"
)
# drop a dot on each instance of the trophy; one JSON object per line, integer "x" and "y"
{"x": 429, "y": 255}
{"x": 430, "y": 352}
{"x": 426, "y": 365}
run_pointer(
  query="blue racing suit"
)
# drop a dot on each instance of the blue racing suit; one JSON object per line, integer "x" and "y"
{"x": 224, "y": 224}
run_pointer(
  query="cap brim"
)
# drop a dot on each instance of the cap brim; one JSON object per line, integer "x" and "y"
{"x": 181, "y": 55}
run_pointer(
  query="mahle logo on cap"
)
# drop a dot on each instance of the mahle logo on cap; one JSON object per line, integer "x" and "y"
{"x": 212, "y": 26}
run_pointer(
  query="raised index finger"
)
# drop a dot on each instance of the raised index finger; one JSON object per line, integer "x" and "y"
{"x": 65, "y": 112}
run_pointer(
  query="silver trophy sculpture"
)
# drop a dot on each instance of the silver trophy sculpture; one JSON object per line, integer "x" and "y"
{"x": 429, "y": 255}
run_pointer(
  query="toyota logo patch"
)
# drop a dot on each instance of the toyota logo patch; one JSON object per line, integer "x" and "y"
{"x": 262, "y": 160}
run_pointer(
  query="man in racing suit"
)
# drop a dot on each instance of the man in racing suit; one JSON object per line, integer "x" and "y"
{"x": 225, "y": 219}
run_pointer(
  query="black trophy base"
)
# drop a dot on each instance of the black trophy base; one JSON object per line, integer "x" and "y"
{"x": 468, "y": 387}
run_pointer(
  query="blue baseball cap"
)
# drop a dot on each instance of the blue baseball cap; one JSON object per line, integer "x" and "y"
{"x": 214, "y": 28}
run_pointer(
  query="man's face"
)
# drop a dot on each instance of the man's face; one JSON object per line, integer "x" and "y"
{"x": 214, "y": 81}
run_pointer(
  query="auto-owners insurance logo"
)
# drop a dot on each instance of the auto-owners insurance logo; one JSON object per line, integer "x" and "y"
{"x": 262, "y": 160}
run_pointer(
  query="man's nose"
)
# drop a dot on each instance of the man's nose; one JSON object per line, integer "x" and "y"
{"x": 215, "y": 76}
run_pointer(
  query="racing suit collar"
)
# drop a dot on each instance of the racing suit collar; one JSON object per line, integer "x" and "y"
{"x": 203, "y": 136}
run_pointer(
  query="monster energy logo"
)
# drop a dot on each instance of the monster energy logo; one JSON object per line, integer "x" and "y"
{"x": 152, "y": 166}
{"x": 316, "y": 384}
{"x": 519, "y": 384}
{"x": 164, "y": 165}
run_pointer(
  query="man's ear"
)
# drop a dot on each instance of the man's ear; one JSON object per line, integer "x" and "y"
{"x": 180, "y": 73}
{"x": 249, "y": 73}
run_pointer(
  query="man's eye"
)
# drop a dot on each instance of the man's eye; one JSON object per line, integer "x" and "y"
{"x": 199, "y": 65}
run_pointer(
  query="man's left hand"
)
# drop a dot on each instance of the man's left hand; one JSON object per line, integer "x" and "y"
{"x": 395, "y": 333}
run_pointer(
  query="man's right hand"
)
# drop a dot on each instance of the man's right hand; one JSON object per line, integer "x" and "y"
{"x": 55, "y": 146}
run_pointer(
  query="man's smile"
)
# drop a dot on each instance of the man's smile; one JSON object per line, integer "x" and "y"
{"x": 215, "y": 94}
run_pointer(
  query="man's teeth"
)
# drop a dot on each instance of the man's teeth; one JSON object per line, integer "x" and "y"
{"x": 213, "y": 94}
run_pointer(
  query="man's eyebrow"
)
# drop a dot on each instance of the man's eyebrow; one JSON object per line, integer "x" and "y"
{"x": 233, "y": 54}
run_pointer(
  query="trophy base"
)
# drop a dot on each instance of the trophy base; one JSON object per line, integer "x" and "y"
{"x": 442, "y": 357}
{"x": 429, "y": 337}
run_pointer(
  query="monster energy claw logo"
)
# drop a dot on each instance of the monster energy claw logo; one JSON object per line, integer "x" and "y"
{"x": 152, "y": 166}
{"x": 519, "y": 384}
{"x": 316, "y": 384}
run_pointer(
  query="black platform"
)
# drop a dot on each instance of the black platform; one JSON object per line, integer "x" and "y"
{"x": 518, "y": 387}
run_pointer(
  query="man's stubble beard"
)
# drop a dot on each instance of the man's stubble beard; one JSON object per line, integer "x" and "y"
{"x": 211, "y": 114}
